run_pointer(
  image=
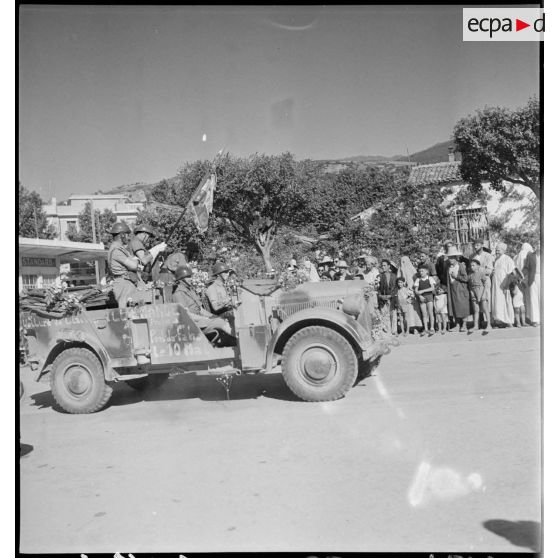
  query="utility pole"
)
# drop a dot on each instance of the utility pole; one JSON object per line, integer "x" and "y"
{"x": 97, "y": 278}
{"x": 36, "y": 226}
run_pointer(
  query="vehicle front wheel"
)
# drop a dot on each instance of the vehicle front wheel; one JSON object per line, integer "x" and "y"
{"x": 319, "y": 364}
{"x": 78, "y": 383}
{"x": 153, "y": 381}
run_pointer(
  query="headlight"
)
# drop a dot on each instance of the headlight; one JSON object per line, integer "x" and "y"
{"x": 352, "y": 305}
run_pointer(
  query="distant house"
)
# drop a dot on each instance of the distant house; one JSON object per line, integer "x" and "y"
{"x": 65, "y": 218}
{"x": 470, "y": 221}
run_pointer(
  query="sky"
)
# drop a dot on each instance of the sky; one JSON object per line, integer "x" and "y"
{"x": 112, "y": 95}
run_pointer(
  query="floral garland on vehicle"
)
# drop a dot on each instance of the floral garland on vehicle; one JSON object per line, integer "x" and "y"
{"x": 380, "y": 321}
{"x": 291, "y": 279}
{"x": 57, "y": 302}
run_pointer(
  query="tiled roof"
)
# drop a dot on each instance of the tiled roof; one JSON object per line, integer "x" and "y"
{"x": 438, "y": 173}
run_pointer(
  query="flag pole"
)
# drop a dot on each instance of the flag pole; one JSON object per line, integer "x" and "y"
{"x": 191, "y": 201}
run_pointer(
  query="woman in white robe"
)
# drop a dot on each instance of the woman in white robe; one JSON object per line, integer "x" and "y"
{"x": 532, "y": 278}
{"x": 502, "y": 308}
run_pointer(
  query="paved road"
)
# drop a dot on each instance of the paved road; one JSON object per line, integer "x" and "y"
{"x": 440, "y": 450}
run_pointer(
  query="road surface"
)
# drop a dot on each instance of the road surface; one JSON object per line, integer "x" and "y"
{"x": 439, "y": 450}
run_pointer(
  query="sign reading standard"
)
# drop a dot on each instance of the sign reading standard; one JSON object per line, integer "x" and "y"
{"x": 503, "y": 24}
{"x": 38, "y": 262}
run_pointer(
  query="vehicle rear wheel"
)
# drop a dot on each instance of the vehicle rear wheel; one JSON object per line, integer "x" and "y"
{"x": 78, "y": 383}
{"x": 319, "y": 364}
{"x": 153, "y": 381}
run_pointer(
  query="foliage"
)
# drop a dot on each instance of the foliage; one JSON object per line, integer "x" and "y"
{"x": 335, "y": 198}
{"x": 103, "y": 223}
{"x": 498, "y": 144}
{"x": 404, "y": 220}
{"x": 290, "y": 279}
{"x": 200, "y": 279}
{"x": 32, "y": 219}
{"x": 514, "y": 237}
{"x": 254, "y": 198}
{"x": 269, "y": 209}
{"x": 259, "y": 195}
{"x": 185, "y": 238}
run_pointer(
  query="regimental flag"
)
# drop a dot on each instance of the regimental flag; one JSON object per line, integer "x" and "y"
{"x": 202, "y": 202}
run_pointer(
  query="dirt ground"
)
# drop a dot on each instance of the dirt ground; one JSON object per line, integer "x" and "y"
{"x": 439, "y": 450}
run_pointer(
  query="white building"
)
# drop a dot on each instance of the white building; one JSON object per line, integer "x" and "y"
{"x": 42, "y": 261}
{"x": 65, "y": 218}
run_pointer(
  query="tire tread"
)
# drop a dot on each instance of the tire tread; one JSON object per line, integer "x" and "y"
{"x": 94, "y": 406}
{"x": 347, "y": 352}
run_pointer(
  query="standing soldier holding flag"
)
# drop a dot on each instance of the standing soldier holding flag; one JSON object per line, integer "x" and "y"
{"x": 142, "y": 234}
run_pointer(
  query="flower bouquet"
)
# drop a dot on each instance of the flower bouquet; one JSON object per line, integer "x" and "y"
{"x": 290, "y": 279}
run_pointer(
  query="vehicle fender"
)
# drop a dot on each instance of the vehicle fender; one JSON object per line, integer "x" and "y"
{"x": 329, "y": 317}
{"x": 77, "y": 338}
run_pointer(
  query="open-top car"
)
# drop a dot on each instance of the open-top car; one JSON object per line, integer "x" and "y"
{"x": 324, "y": 335}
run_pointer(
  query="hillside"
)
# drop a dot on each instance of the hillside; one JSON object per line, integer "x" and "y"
{"x": 438, "y": 153}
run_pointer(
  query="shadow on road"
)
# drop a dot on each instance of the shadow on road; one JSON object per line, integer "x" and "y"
{"x": 25, "y": 449}
{"x": 519, "y": 533}
{"x": 190, "y": 386}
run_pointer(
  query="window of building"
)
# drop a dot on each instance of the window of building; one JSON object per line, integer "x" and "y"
{"x": 49, "y": 280}
{"x": 471, "y": 225}
{"x": 29, "y": 281}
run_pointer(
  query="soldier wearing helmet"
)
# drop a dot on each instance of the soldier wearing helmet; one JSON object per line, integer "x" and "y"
{"x": 123, "y": 266}
{"x": 186, "y": 295}
{"x": 137, "y": 245}
{"x": 217, "y": 295}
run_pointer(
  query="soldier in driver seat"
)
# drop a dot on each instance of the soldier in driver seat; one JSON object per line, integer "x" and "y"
{"x": 186, "y": 295}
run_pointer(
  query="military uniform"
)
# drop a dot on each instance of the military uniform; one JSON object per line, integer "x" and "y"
{"x": 189, "y": 298}
{"x": 125, "y": 281}
{"x": 218, "y": 297}
{"x": 135, "y": 246}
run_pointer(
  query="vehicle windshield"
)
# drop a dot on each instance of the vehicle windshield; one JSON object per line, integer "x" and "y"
{"x": 260, "y": 286}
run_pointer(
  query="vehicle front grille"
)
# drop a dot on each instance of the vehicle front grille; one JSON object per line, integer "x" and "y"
{"x": 286, "y": 310}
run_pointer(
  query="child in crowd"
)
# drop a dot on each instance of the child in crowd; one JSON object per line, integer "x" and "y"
{"x": 478, "y": 294}
{"x": 441, "y": 309}
{"x": 518, "y": 305}
{"x": 403, "y": 304}
{"x": 424, "y": 289}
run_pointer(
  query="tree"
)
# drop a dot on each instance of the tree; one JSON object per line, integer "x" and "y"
{"x": 103, "y": 223}
{"x": 162, "y": 218}
{"x": 498, "y": 144}
{"x": 32, "y": 219}
{"x": 404, "y": 220}
{"x": 258, "y": 196}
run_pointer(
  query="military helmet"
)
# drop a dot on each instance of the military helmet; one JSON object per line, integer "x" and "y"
{"x": 219, "y": 267}
{"x": 144, "y": 227}
{"x": 183, "y": 272}
{"x": 120, "y": 227}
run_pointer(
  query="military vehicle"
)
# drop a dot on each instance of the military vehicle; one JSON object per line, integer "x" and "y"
{"x": 324, "y": 335}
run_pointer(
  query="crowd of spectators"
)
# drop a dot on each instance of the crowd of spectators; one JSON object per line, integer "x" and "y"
{"x": 445, "y": 292}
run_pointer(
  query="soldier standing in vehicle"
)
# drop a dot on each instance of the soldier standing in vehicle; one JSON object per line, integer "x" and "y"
{"x": 136, "y": 246}
{"x": 123, "y": 266}
{"x": 217, "y": 295}
{"x": 186, "y": 295}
